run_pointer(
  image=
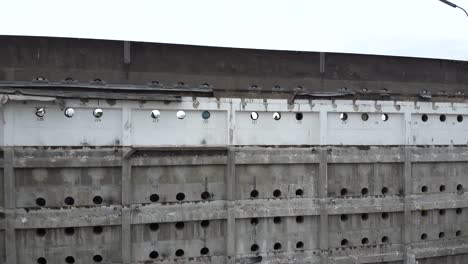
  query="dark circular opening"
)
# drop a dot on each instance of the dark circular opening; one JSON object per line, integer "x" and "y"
{"x": 384, "y": 117}
{"x": 97, "y": 200}
{"x": 300, "y": 244}
{"x": 458, "y": 233}
{"x": 97, "y": 229}
{"x": 41, "y": 260}
{"x": 364, "y": 217}
{"x": 344, "y": 217}
{"x": 424, "y": 236}
{"x": 254, "y": 194}
{"x": 276, "y": 116}
{"x": 344, "y": 242}
{"x": 180, "y": 196}
{"x": 459, "y": 210}
{"x": 299, "y": 116}
{"x": 154, "y": 226}
{"x": 41, "y": 232}
{"x": 154, "y": 198}
{"x": 299, "y": 219}
{"x": 424, "y": 189}
{"x": 153, "y": 254}
{"x": 384, "y": 190}
{"x": 277, "y": 246}
{"x": 69, "y": 231}
{"x": 442, "y": 188}
{"x": 384, "y": 215}
{"x": 70, "y": 259}
{"x": 206, "y": 115}
{"x": 254, "y": 248}
{"x": 204, "y": 251}
{"x": 205, "y": 223}
{"x": 205, "y": 195}
{"x": 364, "y": 191}
{"x": 299, "y": 192}
{"x": 254, "y": 221}
{"x": 424, "y": 118}
{"x": 441, "y": 234}
{"x": 277, "y": 220}
{"x": 459, "y": 187}
{"x": 276, "y": 193}
{"x": 343, "y": 116}
{"x": 384, "y": 239}
{"x": 97, "y": 258}
{"x": 442, "y": 118}
{"x": 179, "y": 225}
{"x": 365, "y": 117}
{"x": 179, "y": 253}
{"x": 343, "y": 192}
{"x": 365, "y": 241}
{"x": 460, "y": 118}
{"x": 423, "y": 213}
{"x": 40, "y": 201}
{"x": 442, "y": 211}
{"x": 69, "y": 201}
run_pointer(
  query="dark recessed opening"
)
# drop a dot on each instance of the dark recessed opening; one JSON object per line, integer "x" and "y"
{"x": 424, "y": 118}
{"x": 205, "y": 223}
{"x": 299, "y": 219}
{"x": 154, "y": 198}
{"x": 254, "y": 221}
{"x": 344, "y": 217}
{"x": 458, "y": 233}
{"x": 384, "y": 190}
{"x": 441, "y": 234}
{"x": 384, "y": 239}
{"x": 384, "y": 117}
{"x": 424, "y": 189}
{"x": 154, "y": 226}
{"x": 180, "y": 196}
{"x": 204, "y": 251}
{"x": 206, "y": 115}
{"x": 460, "y": 118}
{"x": 442, "y": 188}
{"x": 179, "y": 225}
{"x": 254, "y": 194}
{"x": 365, "y": 117}
{"x": 442, "y": 211}
{"x": 153, "y": 254}
{"x": 385, "y": 215}
{"x": 70, "y": 259}
{"x": 276, "y": 193}
{"x": 97, "y": 230}
{"x": 69, "y": 201}
{"x": 299, "y": 192}
{"x": 343, "y": 192}
{"x": 277, "y": 220}
{"x": 423, "y": 213}
{"x": 424, "y": 236}
{"x": 365, "y": 241}
{"x": 41, "y": 260}
{"x": 179, "y": 253}
{"x": 69, "y": 231}
{"x": 40, "y": 201}
{"x": 364, "y": 217}
{"x": 97, "y": 200}
{"x": 205, "y": 195}
{"x": 442, "y": 118}
{"x": 458, "y": 210}
{"x": 459, "y": 187}
{"x": 299, "y": 116}
{"x": 254, "y": 248}
{"x": 344, "y": 242}
{"x": 364, "y": 191}
{"x": 343, "y": 116}
{"x": 300, "y": 244}
{"x": 97, "y": 258}
{"x": 277, "y": 246}
{"x": 41, "y": 232}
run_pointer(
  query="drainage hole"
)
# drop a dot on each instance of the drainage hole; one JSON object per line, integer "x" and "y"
{"x": 423, "y": 213}
{"x": 442, "y": 211}
{"x": 276, "y": 116}
{"x": 442, "y": 188}
{"x": 344, "y": 242}
{"x": 424, "y": 189}
{"x": 205, "y": 195}
{"x": 459, "y": 211}
{"x": 179, "y": 253}
{"x": 277, "y": 220}
{"x": 365, "y": 117}
{"x": 40, "y": 201}
{"x": 384, "y": 190}
{"x": 153, "y": 254}
{"x": 365, "y": 241}
{"x": 299, "y": 219}
{"x": 41, "y": 232}
{"x": 154, "y": 198}
{"x": 277, "y": 246}
{"x": 254, "y": 115}
{"x": 364, "y": 191}
{"x": 344, "y": 217}
{"x": 300, "y": 244}
{"x": 204, "y": 251}
{"x": 441, "y": 234}
{"x": 254, "y": 194}
{"x": 299, "y": 116}
{"x": 364, "y": 217}
{"x": 179, "y": 225}
{"x": 97, "y": 230}
{"x": 385, "y": 239}
{"x": 458, "y": 233}
{"x": 41, "y": 260}
{"x": 343, "y": 192}
{"x": 180, "y": 196}
{"x": 205, "y": 223}
{"x": 460, "y": 118}
{"x": 154, "y": 226}
{"x": 424, "y": 118}
{"x": 424, "y": 236}
{"x": 70, "y": 259}
{"x": 97, "y": 258}
{"x": 180, "y": 114}
{"x": 299, "y": 192}
{"x": 254, "y": 248}
{"x": 69, "y": 231}
{"x": 254, "y": 221}
{"x": 97, "y": 200}
{"x": 384, "y": 215}
{"x": 205, "y": 115}
{"x": 343, "y": 116}
{"x": 442, "y": 118}
{"x": 384, "y": 117}
{"x": 69, "y": 201}
{"x": 276, "y": 193}
{"x": 459, "y": 187}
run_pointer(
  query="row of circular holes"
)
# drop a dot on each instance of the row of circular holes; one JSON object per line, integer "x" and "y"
{"x": 442, "y": 188}
{"x": 70, "y": 259}
{"x": 69, "y": 201}
{"x": 365, "y": 191}
{"x": 276, "y": 193}
{"x": 41, "y": 232}
{"x": 385, "y": 215}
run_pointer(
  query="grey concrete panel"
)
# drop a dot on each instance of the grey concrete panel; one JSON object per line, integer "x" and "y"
{"x": 2, "y": 246}
{"x": 439, "y": 177}
{"x": 453, "y": 259}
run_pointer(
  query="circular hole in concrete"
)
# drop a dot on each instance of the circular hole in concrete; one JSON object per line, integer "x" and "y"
{"x": 442, "y": 118}
{"x": 254, "y": 115}
{"x": 254, "y": 221}
{"x": 299, "y": 116}
{"x": 70, "y": 259}
{"x": 206, "y": 115}
{"x": 69, "y": 112}
{"x": 98, "y": 113}
{"x": 364, "y": 217}
{"x": 153, "y": 254}
{"x": 385, "y": 215}
{"x": 459, "y": 187}
{"x": 254, "y": 248}
{"x": 155, "y": 114}
{"x": 385, "y": 239}
{"x": 41, "y": 260}
{"x": 276, "y": 193}
{"x": 365, "y": 241}
{"x": 442, "y": 212}
{"x": 179, "y": 225}
{"x": 180, "y": 196}
{"x": 154, "y": 197}
{"x": 205, "y": 195}
{"x": 344, "y": 217}
{"x": 424, "y": 118}
{"x": 299, "y": 219}
{"x": 40, "y": 201}
{"x": 344, "y": 242}
{"x": 442, "y": 188}
{"x": 41, "y": 232}
{"x": 204, "y": 251}
{"x": 205, "y": 223}
{"x": 69, "y": 201}
{"x": 69, "y": 231}
{"x": 384, "y": 190}
{"x": 424, "y": 236}
{"x": 424, "y": 189}
{"x": 458, "y": 211}
{"x": 180, "y": 114}
{"x": 277, "y": 246}
{"x": 343, "y": 116}
{"x": 300, "y": 244}
{"x": 365, "y": 117}
{"x": 97, "y": 258}
{"x": 441, "y": 234}
{"x": 343, "y": 192}
{"x": 277, "y": 220}
{"x": 276, "y": 116}
{"x": 458, "y": 233}
{"x": 97, "y": 230}
{"x": 97, "y": 199}
{"x": 384, "y": 117}
{"x": 254, "y": 194}
{"x": 460, "y": 118}
{"x": 40, "y": 112}
{"x": 364, "y": 191}
{"x": 299, "y": 192}
{"x": 154, "y": 226}
{"x": 423, "y": 213}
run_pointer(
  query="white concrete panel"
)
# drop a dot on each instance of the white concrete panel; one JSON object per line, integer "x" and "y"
{"x": 268, "y": 131}
{"x": 169, "y": 130}
{"x": 435, "y": 132}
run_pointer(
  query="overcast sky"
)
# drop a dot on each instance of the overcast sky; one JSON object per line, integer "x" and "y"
{"x": 417, "y": 28}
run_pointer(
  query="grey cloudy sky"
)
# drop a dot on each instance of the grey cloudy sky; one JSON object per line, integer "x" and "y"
{"x": 417, "y": 28}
